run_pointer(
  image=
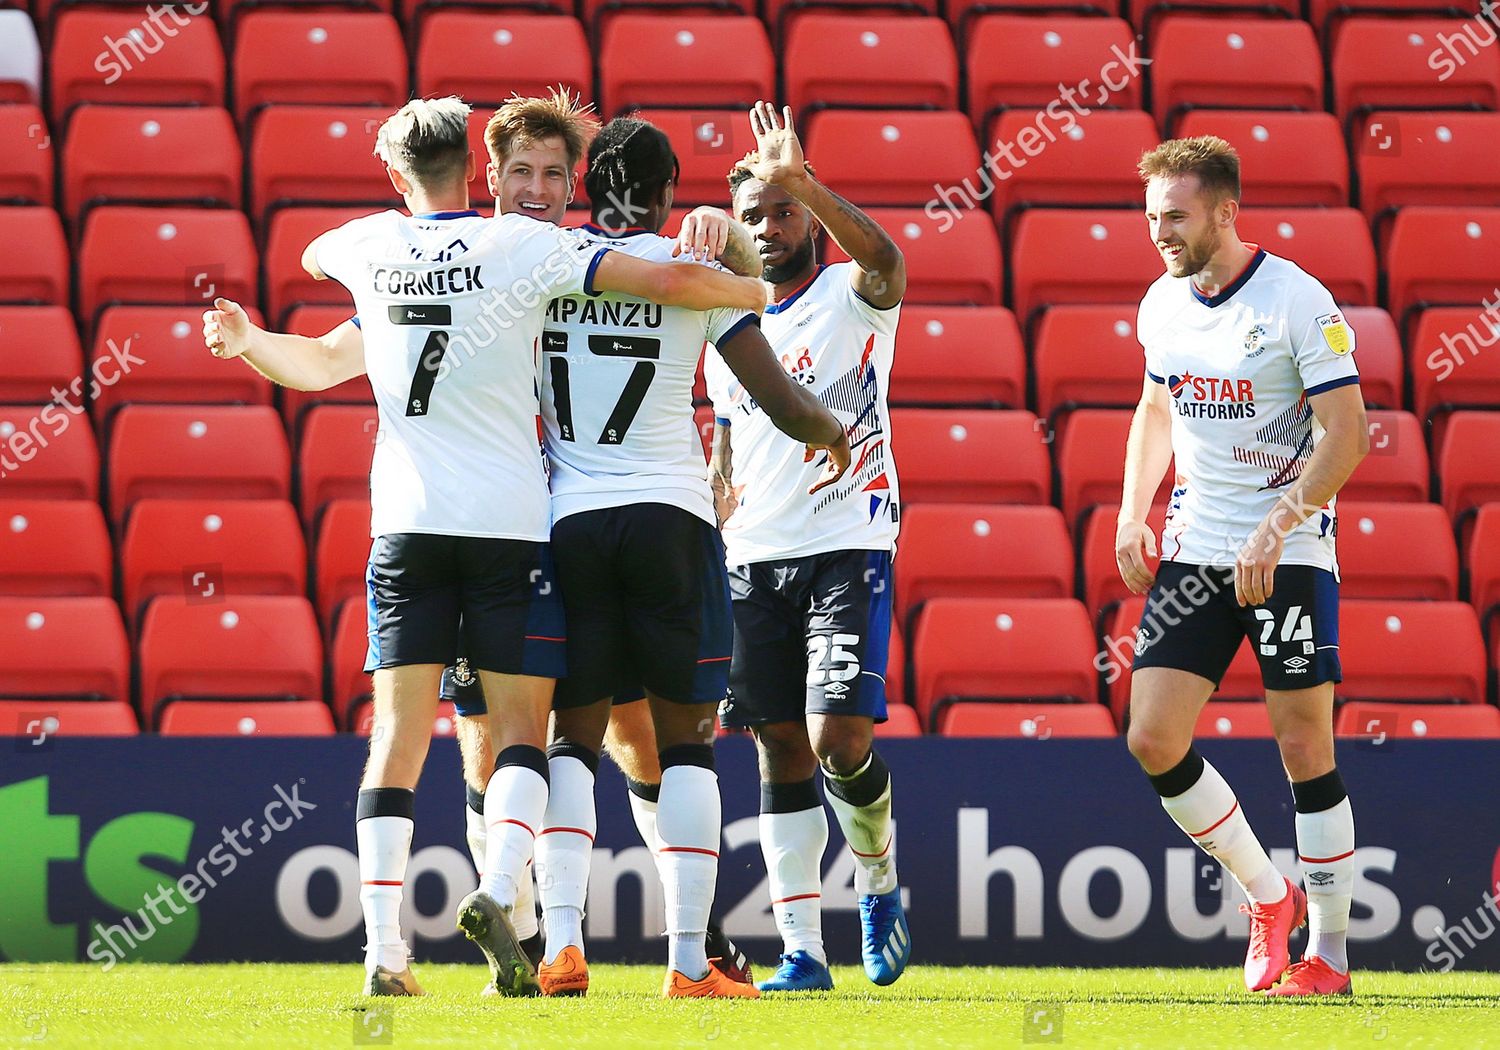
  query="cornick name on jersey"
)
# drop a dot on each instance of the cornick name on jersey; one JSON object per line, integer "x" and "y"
{"x": 1240, "y": 367}
{"x": 841, "y": 348}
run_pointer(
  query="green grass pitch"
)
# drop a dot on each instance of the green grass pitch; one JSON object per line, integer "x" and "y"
{"x": 275, "y": 1005}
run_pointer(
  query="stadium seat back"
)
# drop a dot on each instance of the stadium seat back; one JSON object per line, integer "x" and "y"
{"x": 1021, "y": 61}
{"x": 1442, "y": 158}
{"x": 948, "y": 262}
{"x": 140, "y": 62}
{"x": 1027, "y": 721}
{"x": 39, "y": 351}
{"x": 1469, "y": 462}
{"x": 260, "y": 718}
{"x": 352, "y": 686}
{"x": 1063, "y": 256}
{"x": 1089, "y": 457}
{"x": 151, "y": 154}
{"x": 1084, "y": 162}
{"x": 1087, "y": 355}
{"x": 684, "y": 60}
{"x": 338, "y": 443}
{"x": 891, "y": 157}
{"x": 485, "y": 57}
{"x": 958, "y": 355}
{"x": 1381, "y": 722}
{"x": 1423, "y": 651}
{"x": 44, "y": 659}
{"x": 1287, "y": 160}
{"x": 706, "y": 141}
{"x": 1441, "y": 257}
{"x": 39, "y": 275}
{"x": 26, "y": 172}
{"x": 70, "y": 718}
{"x": 1396, "y": 550}
{"x": 54, "y": 548}
{"x": 1382, "y": 363}
{"x": 316, "y": 155}
{"x": 1382, "y": 63}
{"x": 1102, "y": 585}
{"x": 901, "y": 721}
{"x": 289, "y": 232}
{"x": 1396, "y": 468}
{"x": 953, "y": 456}
{"x": 1221, "y": 63}
{"x": 352, "y": 58}
{"x": 1332, "y": 244}
{"x": 196, "y": 452}
{"x": 1234, "y": 719}
{"x": 62, "y": 458}
{"x": 1484, "y": 564}
{"x": 343, "y": 553}
{"x": 1453, "y": 362}
{"x": 869, "y": 60}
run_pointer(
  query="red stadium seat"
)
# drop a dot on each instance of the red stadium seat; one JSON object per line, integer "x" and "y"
{"x": 1087, "y": 356}
{"x": 26, "y": 170}
{"x": 780, "y": 15}
{"x": 1468, "y": 466}
{"x": 249, "y": 646}
{"x": 1102, "y": 585}
{"x": 891, "y": 156}
{"x": 1327, "y": 16}
{"x": 966, "y": 551}
{"x": 1453, "y": 363}
{"x": 707, "y": 142}
{"x": 1232, "y": 719}
{"x": 1442, "y": 158}
{"x": 1064, "y": 256}
{"x": 948, "y": 262}
{"x": 1002, "y": 648}
{"x": 1146, "y": 15}
{"x": 317, "y": 155}
{"x": 1382, "y": 722}
{"x": 1090, "y": 455}
{"x": 287, "y": 284}
{"x": 1484, "y": 563}
{"x": 896, "y": 666}
{"x": 1396, "y": 468}
{"x": 1027, "y": 721}
{"x": 38, "y": 351}
{"x": 1217, "y": 63}
{"x": 954, "y": 456}
{"x": 39, "y": 275}
{"x": 54, "y": 548}
{"x": 485, "y": 57}
{"x": 338, "y": 442}
{"x": 958, "y": 355}
{"x": 1090, "y": 161}
{"x": 138, "y": 64}
{"x": 703, "y": 418}
{"x": 901, "y": 721}
{"x": 343, "y": 552}
{"x": 63, "y": 648}
{"x": 61, "y": 458}
{"x": 346, "y": 58}
{"x": 176, "y": 368}
{"x": 684, "y": 60}
{"x": 1393, "y": 63}
{"x": 1441, "y": 257}
{"x": 1026, "y": 62}
{"x": 247, "y": 718}
{"x": 1286, "y": 159}
{"x": 1332, "y": 244}
{"x": 208, "y": 550}
{"x": 352, "y": 687}
{"x": 164, "y": 255}
{"x": 73, "y": 718}
{"x": 20, "y": 59}
{"x": 868, "y": 60}
{"x": 295, "y": 404}
{"x": 1425, "y": 651}
{"x": 196, "y": 452}
{"x": 151, "y": 154}
{"x": 1396, "y": 550}
{"x": 1380, "y": 358}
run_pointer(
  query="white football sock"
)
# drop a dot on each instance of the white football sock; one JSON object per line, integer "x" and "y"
{"x": 1325, "y": 845}
{"x": 563, "y": 851}
{"x": 867, "y": 829}
{"x": 1211, "y": 815}
{"x": 793, "y": 845}
{"x": 475, "y": 834}
{"x": 689, "y": 823}
{"x": 384, "y": 847}
{"x": 523, "y": 919}
{"x": 514, "y": 804}
{"x": 644, "y": 812}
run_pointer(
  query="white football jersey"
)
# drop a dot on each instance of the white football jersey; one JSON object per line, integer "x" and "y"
{"x": 1240, "y": 367}
{"x": 617, "y": 392}
{"x": 841, "y": 348}
{"x": 451, "y": 307}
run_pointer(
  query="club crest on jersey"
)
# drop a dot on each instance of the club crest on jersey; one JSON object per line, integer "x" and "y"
{"x": 1336, "y": 333}
{"x": 1254, "y": 340}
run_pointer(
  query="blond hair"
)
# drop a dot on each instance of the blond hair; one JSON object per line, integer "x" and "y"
{"x": 1209, "y": 157}
{"x": 426, "y": 140}
{"x": 522, "y": 122}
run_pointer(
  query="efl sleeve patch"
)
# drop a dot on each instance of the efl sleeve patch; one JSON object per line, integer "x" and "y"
{"x": 1336, "y": 333}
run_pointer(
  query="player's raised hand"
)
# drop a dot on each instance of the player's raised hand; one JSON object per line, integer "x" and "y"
{"x": 1255, "y": 567}
{"x": 704, "y": 234}
{"x": 778, "y": 151}
{"x": 226, "y": 329}
{"x": 839, "y": 455}
{"x": 1134, "y": 544}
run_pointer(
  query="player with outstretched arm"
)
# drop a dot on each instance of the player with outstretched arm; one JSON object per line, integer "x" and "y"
{"x": 1251, "y": 384}
{"x": 451, "y": 556}
{"x": 812, "y": 579}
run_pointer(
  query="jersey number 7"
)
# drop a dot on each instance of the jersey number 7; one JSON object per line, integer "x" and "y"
{"x": 624, "y": 413}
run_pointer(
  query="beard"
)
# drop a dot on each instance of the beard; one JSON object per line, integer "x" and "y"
{"x": 1193, "y": 257}
{"x": 797, "y": 260}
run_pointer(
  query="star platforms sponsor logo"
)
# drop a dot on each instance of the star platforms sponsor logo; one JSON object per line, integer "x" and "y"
{"x": 1212, "y": 397}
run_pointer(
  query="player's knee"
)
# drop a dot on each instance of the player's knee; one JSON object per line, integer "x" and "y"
{"x": 842, "y": 750}
{"x": 1155, "y": 750}
{"x": 784, "y": 752}
{"x": 1306, "y": 754}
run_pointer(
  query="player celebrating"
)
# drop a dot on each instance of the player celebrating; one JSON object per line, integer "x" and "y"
{"x": 639, "y": 557}
{"x": 450, "y": 556}
{"x": 812, "y": 580}
{"x": 1251, "y": 383}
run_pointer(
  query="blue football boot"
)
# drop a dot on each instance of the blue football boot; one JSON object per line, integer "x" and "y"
{"x": 886, "y": 946}
{"x": 798, "y": 972}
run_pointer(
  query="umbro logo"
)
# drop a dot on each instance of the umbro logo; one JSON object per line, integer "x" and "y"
{"x": 835, "y": 689}
{"x": 1320, "y": 878}
{"x": 1296, "y": 662}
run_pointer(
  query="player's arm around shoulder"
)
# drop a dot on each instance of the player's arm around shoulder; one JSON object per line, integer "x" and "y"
{"x": 690, "y": 287}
